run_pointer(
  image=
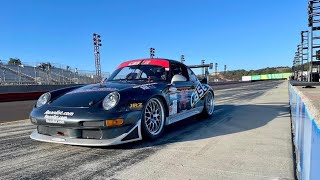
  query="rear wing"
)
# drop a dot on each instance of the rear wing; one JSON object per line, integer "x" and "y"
{"x": 206, "y": 71}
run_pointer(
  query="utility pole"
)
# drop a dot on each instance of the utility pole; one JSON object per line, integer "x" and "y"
{"x": 96, "y": 45}
{"x": 152, "y": 53}
{"x": 182, "y": 59}
{"x": 225, "y": 69}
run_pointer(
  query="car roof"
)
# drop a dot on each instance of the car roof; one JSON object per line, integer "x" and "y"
{"x": 152, "y": 60}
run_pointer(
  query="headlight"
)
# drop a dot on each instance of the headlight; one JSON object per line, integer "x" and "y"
{"x": 111, "y": 100}
{"x": 43, "y": 99}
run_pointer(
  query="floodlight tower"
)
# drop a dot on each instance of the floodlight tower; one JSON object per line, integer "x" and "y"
{"x": 304, "y": 49}
{"x": 96, "y": 45}
{"x": 216, "y": 68}
{"x": 314, "y": 24}
{"x": 202, "y": 63}
{"x": 152, "y": 53}
{"x": 297, "y": 63}
{"x": 182, "y": 59}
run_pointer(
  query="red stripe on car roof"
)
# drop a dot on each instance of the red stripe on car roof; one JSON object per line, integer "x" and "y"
{"x": 158, "y": 62}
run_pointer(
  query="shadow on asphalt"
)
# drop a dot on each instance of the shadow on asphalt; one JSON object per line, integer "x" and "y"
{"x": 222, "y": 123}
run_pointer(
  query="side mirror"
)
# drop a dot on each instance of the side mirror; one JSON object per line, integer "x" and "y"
{"x": 204, "y": 81}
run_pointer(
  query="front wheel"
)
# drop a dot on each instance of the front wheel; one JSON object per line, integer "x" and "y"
{"x": 208, "y": 105}
{"x": 153, "y": 119}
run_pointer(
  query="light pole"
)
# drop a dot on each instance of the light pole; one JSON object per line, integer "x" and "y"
{"x": 152, "y": 53}
{"x": 35, "y": 74}
{"x": 97, "y": 44}
{"x": 216, "y": 69}
{"x": 202, "y": 63}
{"x": 182, "y": 59}
{"x": 4, "y": 75}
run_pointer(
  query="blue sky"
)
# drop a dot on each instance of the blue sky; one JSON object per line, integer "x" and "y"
{"x": 246, "y": 34}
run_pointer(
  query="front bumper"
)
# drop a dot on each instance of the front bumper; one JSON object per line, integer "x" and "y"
{"x": 134, "y": 134}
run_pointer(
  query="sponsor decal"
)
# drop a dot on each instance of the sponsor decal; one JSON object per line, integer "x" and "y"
{"x": 173, "y": 89}
{"x": 159, "y": 62}
{"x": 173, "y": 96}
{"x": 199, "y": 92}
{"x": 173, "y": 108}
{"x": 58, "y": 112}
{"x": 146, "y": 86}
{"x": 133, "y": 63}
{"x": 57, "y": 117}
{"x": 54, "y": 121}
{"x": 136, "y": 105}
{"x": 183, "y": 99}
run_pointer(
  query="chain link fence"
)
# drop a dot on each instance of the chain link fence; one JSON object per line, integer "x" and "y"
{"x": 44, "y": 73}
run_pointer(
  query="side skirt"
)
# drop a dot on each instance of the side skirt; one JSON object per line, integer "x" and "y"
{"x": 183, "y": 115}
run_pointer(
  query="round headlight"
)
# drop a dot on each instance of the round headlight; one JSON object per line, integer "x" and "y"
{"x": 43, "y": 99}
{"x": 111, "y": 100}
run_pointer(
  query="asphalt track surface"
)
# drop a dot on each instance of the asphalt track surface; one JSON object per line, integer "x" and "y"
{"x": 23, "y": 158}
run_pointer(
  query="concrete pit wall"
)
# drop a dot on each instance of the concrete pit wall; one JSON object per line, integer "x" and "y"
{"x": 26, "y": 92}
{"x": 305, "y": 104}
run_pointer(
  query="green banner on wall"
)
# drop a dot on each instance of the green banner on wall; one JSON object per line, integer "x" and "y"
{"x": 276, "y": 76}
{"x": 286, "y": 75}
{"x": 264, "y": 77}
{"x": 255, "y": 77}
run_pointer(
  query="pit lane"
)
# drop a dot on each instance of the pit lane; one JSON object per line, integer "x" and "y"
{"x": 24, "y": 158}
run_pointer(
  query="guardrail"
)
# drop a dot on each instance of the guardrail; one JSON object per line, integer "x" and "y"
{"x": 304, "y": 104}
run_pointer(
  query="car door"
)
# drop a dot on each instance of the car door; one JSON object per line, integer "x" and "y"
{"x": 180, "y": 91}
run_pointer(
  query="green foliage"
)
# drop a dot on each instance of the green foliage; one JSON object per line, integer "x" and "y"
{"x": 14, "y": 61}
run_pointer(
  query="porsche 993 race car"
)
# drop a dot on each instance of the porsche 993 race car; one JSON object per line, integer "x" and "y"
{"x": 138, "y": 100}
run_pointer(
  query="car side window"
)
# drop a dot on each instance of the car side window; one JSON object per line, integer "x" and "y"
{"x": 192, "y": 76}
{"x": 179, "y": 69}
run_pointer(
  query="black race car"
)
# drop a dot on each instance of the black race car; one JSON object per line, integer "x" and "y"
{"x": 137, "y": 101}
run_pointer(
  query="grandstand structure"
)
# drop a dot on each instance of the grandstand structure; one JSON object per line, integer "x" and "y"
{"x": 24, "y": 74}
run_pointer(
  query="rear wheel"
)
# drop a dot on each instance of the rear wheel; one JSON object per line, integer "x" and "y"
{"x": 153, "y": 119}
{"x": 208, "y": 105}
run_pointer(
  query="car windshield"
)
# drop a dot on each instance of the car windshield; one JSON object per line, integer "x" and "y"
{"x": 139, "y": 72}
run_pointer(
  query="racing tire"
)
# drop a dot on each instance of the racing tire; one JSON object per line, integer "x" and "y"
{"x": 153, "y": 119}
{"x": 208, "y": 105}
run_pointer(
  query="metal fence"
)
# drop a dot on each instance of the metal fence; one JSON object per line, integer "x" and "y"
{"x": 44, "y": 73}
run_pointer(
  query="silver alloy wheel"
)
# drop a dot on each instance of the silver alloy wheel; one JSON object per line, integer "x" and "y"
{"x": 209, "y": 103}
{"x": 154, "y": 116}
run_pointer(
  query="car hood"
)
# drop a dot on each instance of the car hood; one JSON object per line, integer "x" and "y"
{"x": 89, "y": 95}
